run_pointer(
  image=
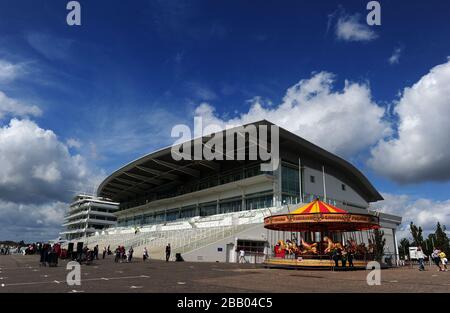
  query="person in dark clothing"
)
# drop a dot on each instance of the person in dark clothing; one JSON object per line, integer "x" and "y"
{"x": 118, "y": 254}
{"x": 96, "y": 252}
{"x": 167, "y": 252}
{"x": 350, "y": 258}
{"x": 335, "y": 257}
{"x": 104, "y": 252}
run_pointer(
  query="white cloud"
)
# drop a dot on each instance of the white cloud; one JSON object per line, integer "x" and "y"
{"x": 9, "y": 71}
{"x": 38, "y": 176}
{"x": 343, "y": 121}
{"x": 421, "y": 151}
{"x": 349, "y": 28}
{"x": 395, "y": 57}
{"x": 31, "y": 222}
{"x": 73, "y": 143}
{"x": 9, "y": 106}
{"x": 36, "y": 167}
{"x": 423, "y": 212}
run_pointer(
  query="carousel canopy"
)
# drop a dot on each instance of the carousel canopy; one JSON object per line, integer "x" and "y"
{"x": 318, "y": 206}
{"x": 319, "y": 216}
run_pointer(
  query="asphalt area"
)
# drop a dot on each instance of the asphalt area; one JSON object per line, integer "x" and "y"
{"x": 22, "y": 274}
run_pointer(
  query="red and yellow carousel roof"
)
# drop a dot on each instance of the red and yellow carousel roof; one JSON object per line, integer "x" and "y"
{"x": 321, "y": 216}
{"x": 318, "y": 206}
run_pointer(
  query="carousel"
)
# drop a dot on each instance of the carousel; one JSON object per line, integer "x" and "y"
{"x": 320, "y": 235}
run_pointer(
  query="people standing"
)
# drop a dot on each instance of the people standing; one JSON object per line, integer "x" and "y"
{"x": 344, "y": 258}
{"x": 130, "y": 254}
{"x": 167, "y": 252}
{"x": 421, "y": 257}
{"x": 444, "y": 261}
{"x": 96, "y": 252}
{"x": 335, "y": 257}
{"x": 350, "y": 255}
{"x": 118, "y": 254}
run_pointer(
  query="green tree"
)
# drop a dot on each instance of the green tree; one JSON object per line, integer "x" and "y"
{"x": 416, "y": 233}
{"x": 379, "y": 242}
{"x": 441, "y": 240}
{"x": 403, "y": 248}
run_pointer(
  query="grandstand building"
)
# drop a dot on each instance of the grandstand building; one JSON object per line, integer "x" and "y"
{"x": 210, "y": 209}
{"x": 88, "y": 214}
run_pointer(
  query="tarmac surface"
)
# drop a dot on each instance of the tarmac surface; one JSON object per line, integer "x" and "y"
{"x": 22, "y": 274}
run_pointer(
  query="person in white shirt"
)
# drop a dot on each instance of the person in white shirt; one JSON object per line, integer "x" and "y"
{"x": 242, "y": 256}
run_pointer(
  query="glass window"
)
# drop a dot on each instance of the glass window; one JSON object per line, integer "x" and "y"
{"x": 290, "y": 180}
{"x": 207, "y": 209}
{"x": 230, "y": 206}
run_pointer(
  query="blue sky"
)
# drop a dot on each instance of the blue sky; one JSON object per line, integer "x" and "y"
{"x": 111, "y": 89}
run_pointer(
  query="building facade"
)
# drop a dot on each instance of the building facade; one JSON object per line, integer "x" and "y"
{"x": 88, "y": 214}
{"x": 157, "y": 189}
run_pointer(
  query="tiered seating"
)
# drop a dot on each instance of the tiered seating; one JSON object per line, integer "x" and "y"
{"x": 183, "y": 235}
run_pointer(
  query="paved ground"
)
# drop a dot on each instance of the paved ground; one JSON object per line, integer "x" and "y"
{"x": 22, "y": 274}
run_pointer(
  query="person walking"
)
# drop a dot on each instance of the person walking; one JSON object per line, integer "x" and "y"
{"x": 436, "y": 259}
{"x": 145, "y": 254}
{"x": 242, "y": 256}
{"x": 421, "y": 257}
{"x": 167, "y": 252}
{"x": 104, "y": 253}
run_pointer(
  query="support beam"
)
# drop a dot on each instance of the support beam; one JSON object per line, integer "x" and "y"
{"x": 183, "y": 169}
{"x": 158, "y": 173}
{"x": 150, "y": 180}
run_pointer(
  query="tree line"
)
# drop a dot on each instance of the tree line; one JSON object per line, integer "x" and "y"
{"x": 438, "y": 239}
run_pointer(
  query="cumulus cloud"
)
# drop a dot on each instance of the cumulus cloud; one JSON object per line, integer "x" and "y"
{"x": 422, "y": 211}
{"x": 395, "y": 57}
{"x": 38, "y": 176}
{"x": 349, "y": 28}
{"x": 420, "y": 152}
{"x": 36, "y": 166}
{"x": 9, "y": 106}
{"x": 343, "y": 121}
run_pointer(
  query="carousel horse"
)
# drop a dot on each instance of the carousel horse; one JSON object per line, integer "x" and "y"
{"x": 332, "y": 245}
{"x": 292, "y": 247}
{"x": 309, "y": 248}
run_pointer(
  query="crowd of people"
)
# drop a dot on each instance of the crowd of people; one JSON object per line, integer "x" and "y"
{"x": 5, "y": 250}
